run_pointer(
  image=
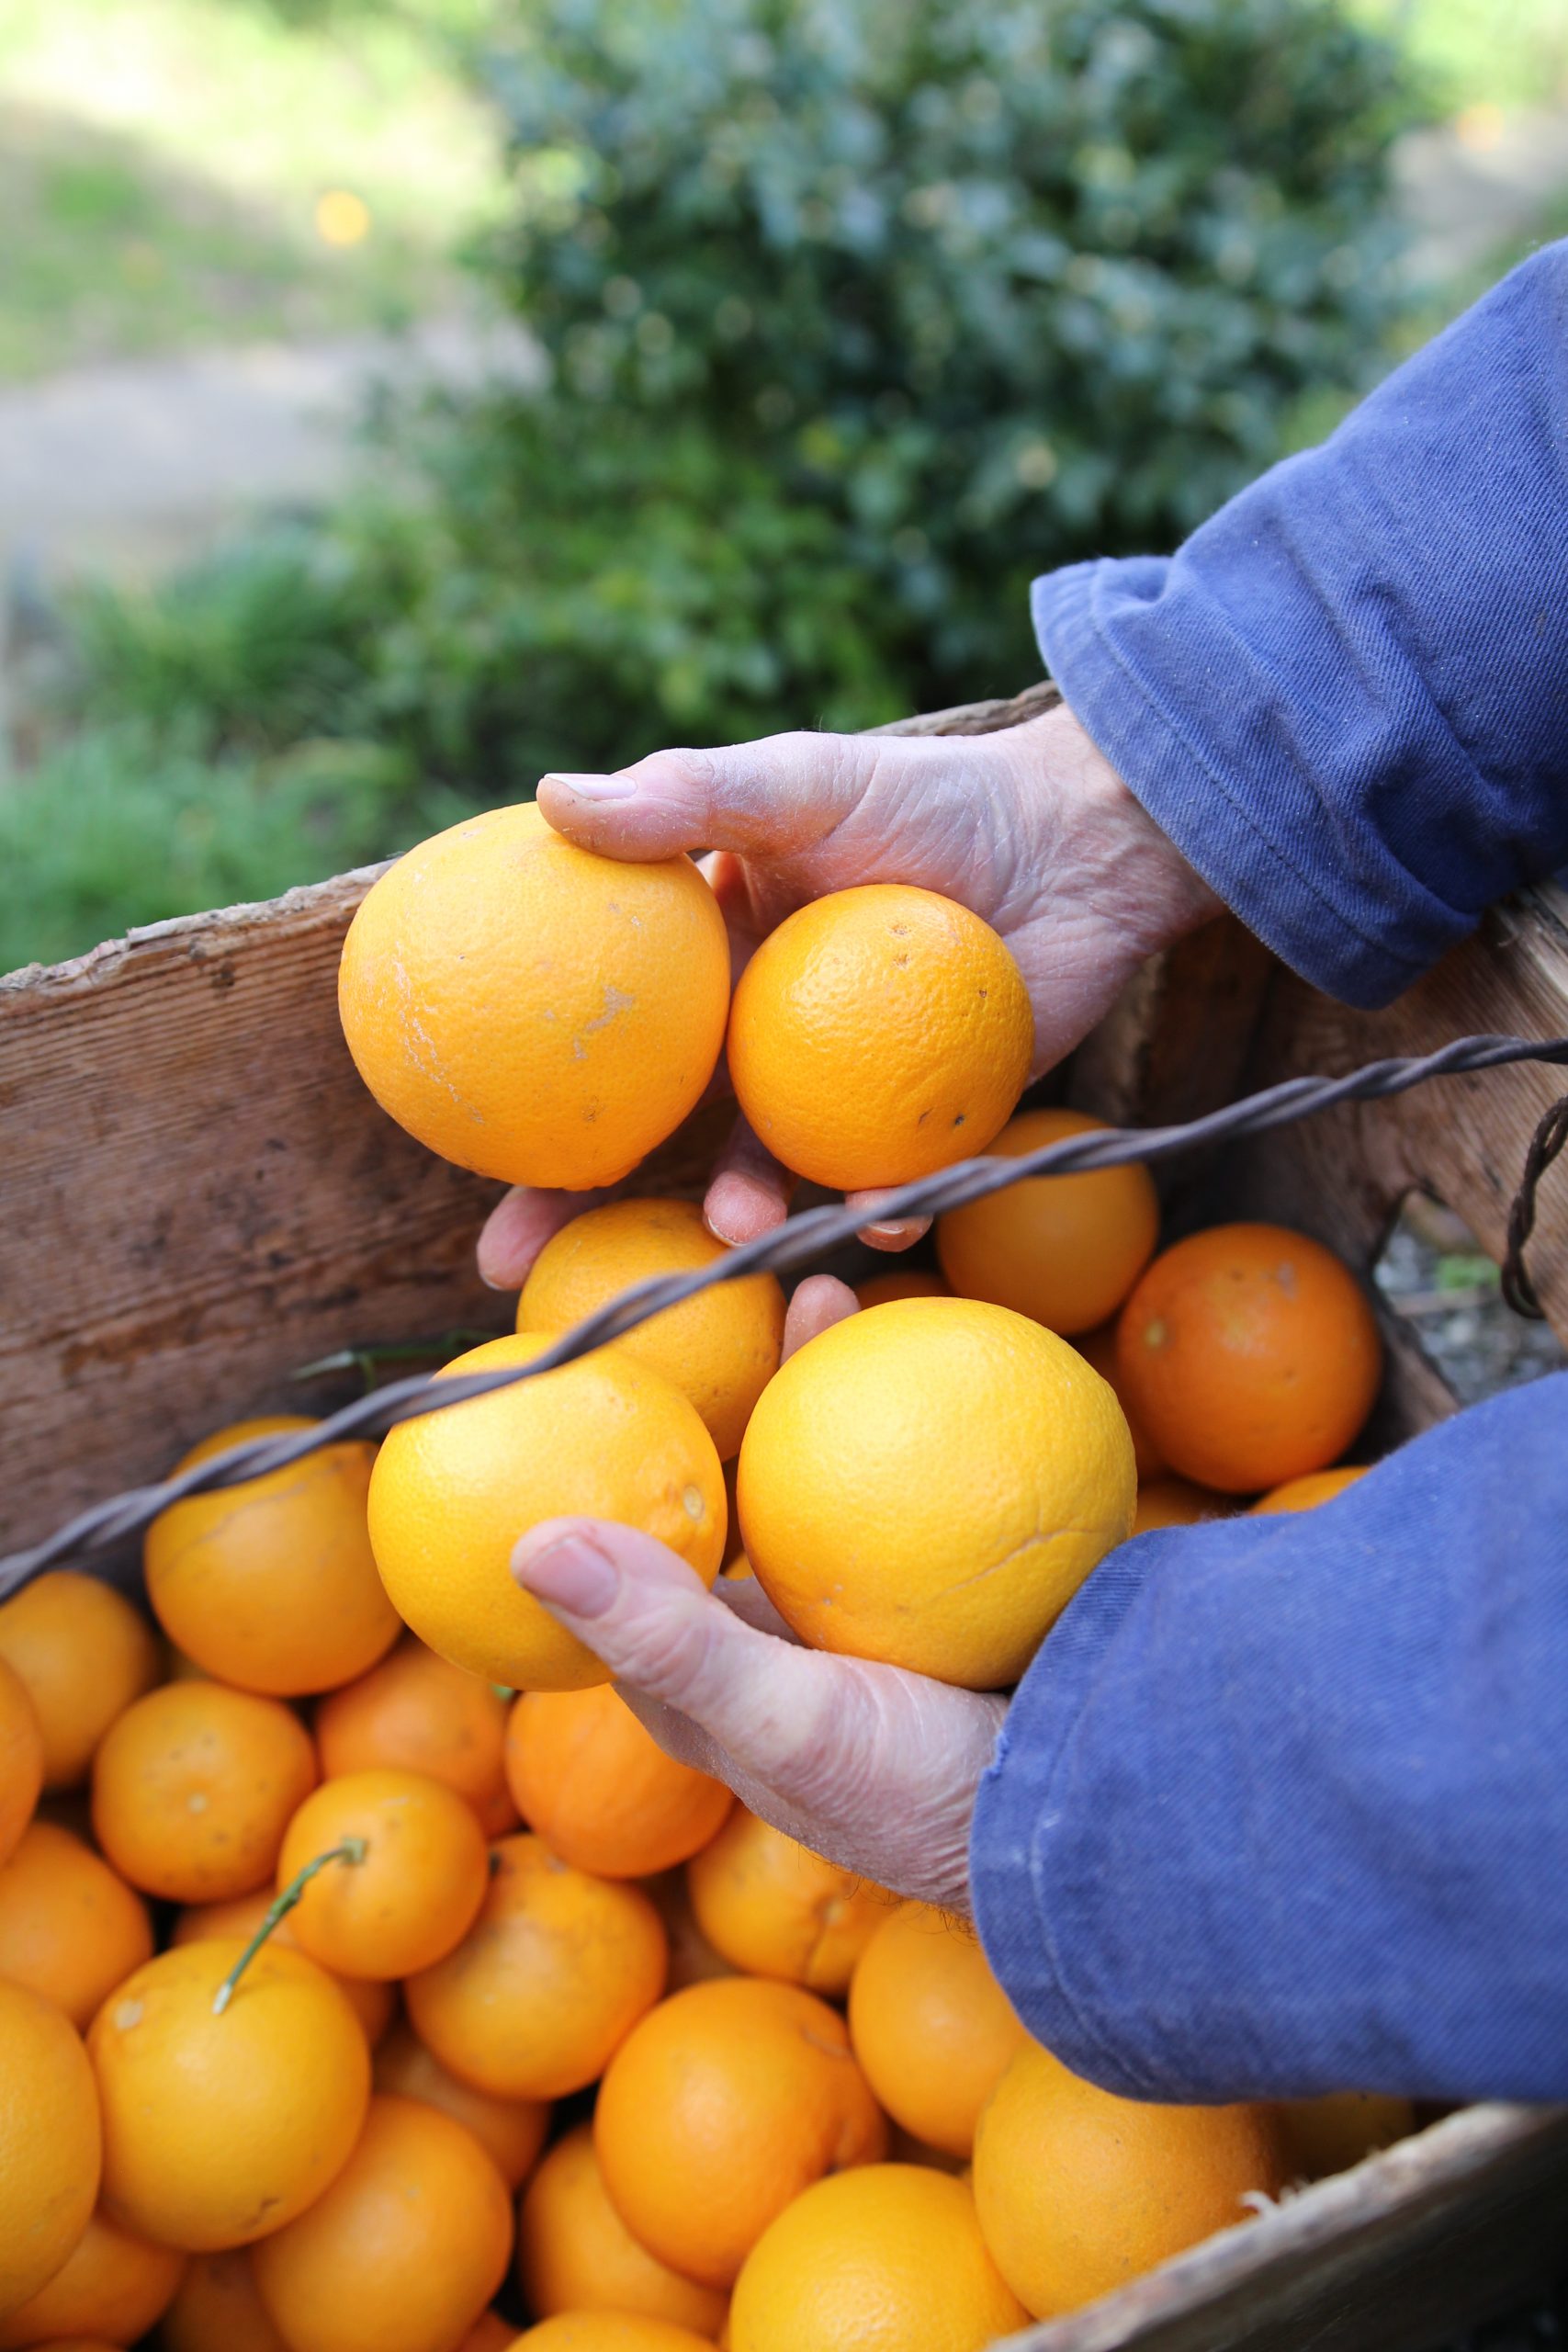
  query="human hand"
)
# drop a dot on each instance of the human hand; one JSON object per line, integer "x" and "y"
{"x": 1030, "y": 827}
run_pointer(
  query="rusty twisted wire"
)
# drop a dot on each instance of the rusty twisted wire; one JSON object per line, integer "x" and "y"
{"x": 784, "y": 1250}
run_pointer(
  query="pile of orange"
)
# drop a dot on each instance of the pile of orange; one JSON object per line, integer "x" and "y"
{"x": 370, "y": 1980}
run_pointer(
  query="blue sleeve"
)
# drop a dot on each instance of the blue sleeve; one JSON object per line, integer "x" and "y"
{"x": 1281, "y": 1805}
{"x": 1346, "y": 697}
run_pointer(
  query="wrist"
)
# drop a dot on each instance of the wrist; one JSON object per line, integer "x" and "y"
{"x": 1125, "y": 866}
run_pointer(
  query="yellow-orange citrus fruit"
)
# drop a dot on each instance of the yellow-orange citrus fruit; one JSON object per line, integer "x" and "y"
{"x": 83, "y": 1653}
{"x": 510, "y": 2130}
{"x": 21, "y": 1759}
{"x": 1251, "y": 1356}
{"x": 272, "y": 1585}
{"x": 71, "y": 1928}
{"x": 532, "y": 1010}
{"x": 453, "y": 1491}
{"x": 911, "y": 1283}
{"x": 548, "y": 1981}
{"x": 882, "y": 2258}
{"x": 878, "y": 1034}
{"x": 1066, "y": 1249}
{"x": 420, "y": 1712}
{"x": 49, "y": 2143}
{"x": 193, "y": 1787}
{"x": 112, "y": 2285}
{"x": 218, "y": 2129}
{"x": 771, "y": 1907}
{"x": 600, "y": 1790}
{"x": 726, "y": 2102}
{"x": 1078, "y": 2190}
{"x": 930, "y": 1481}
{"x": 1305, "y": 1494}
{"x": 1332, "y": 2133}
{"x": 720, "y": 1350}
{"x": 402, "y": 2251}
{"x": 373, "y": 2004}
{"x": 409, "y": 1887}
{"x": 574, "y": 2252}
{"x": 610, "y": 2331}
{"x": 1176, "y": 1502}
{"x": 932, "y": 2028}
{"x": 218, "y": 2309}
{"x": 1099, "y": 1348}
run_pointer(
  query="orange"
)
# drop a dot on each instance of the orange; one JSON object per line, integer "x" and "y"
{"x": 1099, "y": 1349}
{"x": 600, "y": 1790}
{"x": 609, "y": 2332}
{"x": 720, "y": 1350}
{"x": 930, "y": 1481}
{"x": 1251, "y": 1354}
{"x": 420, "y": 1712}
{"x": 217, "y": 2308}
{"x": 83, "y": 1653}
{"x": 1066, "y": 1249}
{"x": 877, "y": 1289}
{"x": 932, "y": 2028}
{"x": 454, "y": 1490}
{"x": 532, "y": 1010}
{"x": 113, "y": 2285}
{"x": 727, "y": 2101}
{"x": 878, "y": 1034}
{"x": 272, "y": 1585}
{"x": 510, "y": 2130}
{"x": 194, "y": 1787}
{"x": 373, "y": 2004}
{"x": 770, "y": 1906}
{"x": 548, "y": 1982}
{"x": 490, "y": 2333}
{"x": 1332, "y": 2133}
{"x": 219, "y": 2129}
{"x": 408, "y": 1896}
{"x": 1078, "y": 2191}
{"x": 574, "y": 2252}
{"x": 70, "y": 1928}
{"x": 882, "y": 2258}
{"x": 1176, "y": 1502}
{"x": 50, "y": 2145}
{"x": 404, "y": 2250}
{"x": 21, "y": 1759}
{"x": 1305, "y": 1494}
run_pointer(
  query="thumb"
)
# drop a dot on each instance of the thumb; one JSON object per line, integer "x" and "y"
{"x": 769, "y": 799}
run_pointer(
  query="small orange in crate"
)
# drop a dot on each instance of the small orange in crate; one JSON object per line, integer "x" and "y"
{"x": 194, "y": 1787}
{"x": 771, "y": 1907}
{"x": 532, "y": 1010}
{"x": 50, "y": 2144}
{"x": 510, "y": 2130}
{"x": 21, "y": 1759}
{"x": 932, "y": 2028}
{"x": 113, "y": 2284}
{"x": 878, "y": 1034}
{"x": 83, "y": 1653}
{"x": 1305, "y": 1494}
{"x": 420, "y": 1712}
{"x": 373, "y": 2004}
{"x": 574, "y": 2252}
{"x": 1251, "y": 1354}
{"x": 600, "y": 1790}
{"x": 1066, "y": 1249}
{"x": 1099, "y": 1348}
{"x": 70, "y": 1927}
{"x": 1176, "y": 1502}
{"x": 452, "y": 1492}
{"x": 412, "y": 1874}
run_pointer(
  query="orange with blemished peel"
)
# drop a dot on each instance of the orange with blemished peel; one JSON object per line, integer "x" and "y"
{"x": 413, "y": 1874}
{"x": 194, "y": 1786}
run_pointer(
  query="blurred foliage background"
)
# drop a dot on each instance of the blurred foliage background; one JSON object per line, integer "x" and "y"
{"x": 853, "y": 315}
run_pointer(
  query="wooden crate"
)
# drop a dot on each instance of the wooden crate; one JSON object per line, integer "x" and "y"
{"x": 200, "y": 1197}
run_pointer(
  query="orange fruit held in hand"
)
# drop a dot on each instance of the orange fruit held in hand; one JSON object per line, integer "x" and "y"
{"x": 771, "y": 1907}
{"x": 532, "y": 1010}
{"x": 409, "y": 1887}
{"x": 21, "y": 1759}
{"x": 373, "y": 2004}
{"x": 878, "y": 1034}
{"x": 1176, "y": 1502}
{"x": 405, "y": 2248}
{"x": 218, "y": 2309}
{"x": 71, "y": 1928}
{"x": 272, "y": 1585}
{"x": 610, "y": 2331}
{"x": 83, "y": 1653}
{"x": 452, "y": 1492}
{"x": 1066, "y": 1249}
{"x": 218, "y": 2129}
{"x": 932, "y": 2028}
{"x": 930, "y": 1481}
{"x": 1251, "y": 1354}
{"x": 510, "y": 2130}
{"x": 1078, "y": 2191}
{"x": 574, "y": 2252}
{"x": 727, "y": 2101}
{"x": 915, "y": 1282}
{"x": 113, "y": 2285}
{"x": 420, "y": 1713}
{"x": 49, "y": 2143}
{"x": 1305, "y": 1494}
{"x": 547, "y": 1983}
{"x": 884, "y": 2256}
{"x": 600, "y": 1790}
{"x": 720, "y": 1350}
{"x": 1330, "y": 2134}
{"x": 194, "y": 1786}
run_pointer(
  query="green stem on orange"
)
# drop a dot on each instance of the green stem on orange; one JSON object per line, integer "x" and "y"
{"x": 352, "y": 1850}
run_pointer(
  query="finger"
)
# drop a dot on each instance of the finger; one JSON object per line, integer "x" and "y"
{"x": 888, "y": 1233}
{"x": 749, "y": 1193}
{"x": 746, "y": 1597}
{"x": 819, "y": 1301}
{"x": 518, "y": 1228}
{"x": 765, "y": 799}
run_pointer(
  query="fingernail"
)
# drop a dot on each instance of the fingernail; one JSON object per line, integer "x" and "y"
{"x": 593, "y": 787}
{"x": 568, "y": 1572}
